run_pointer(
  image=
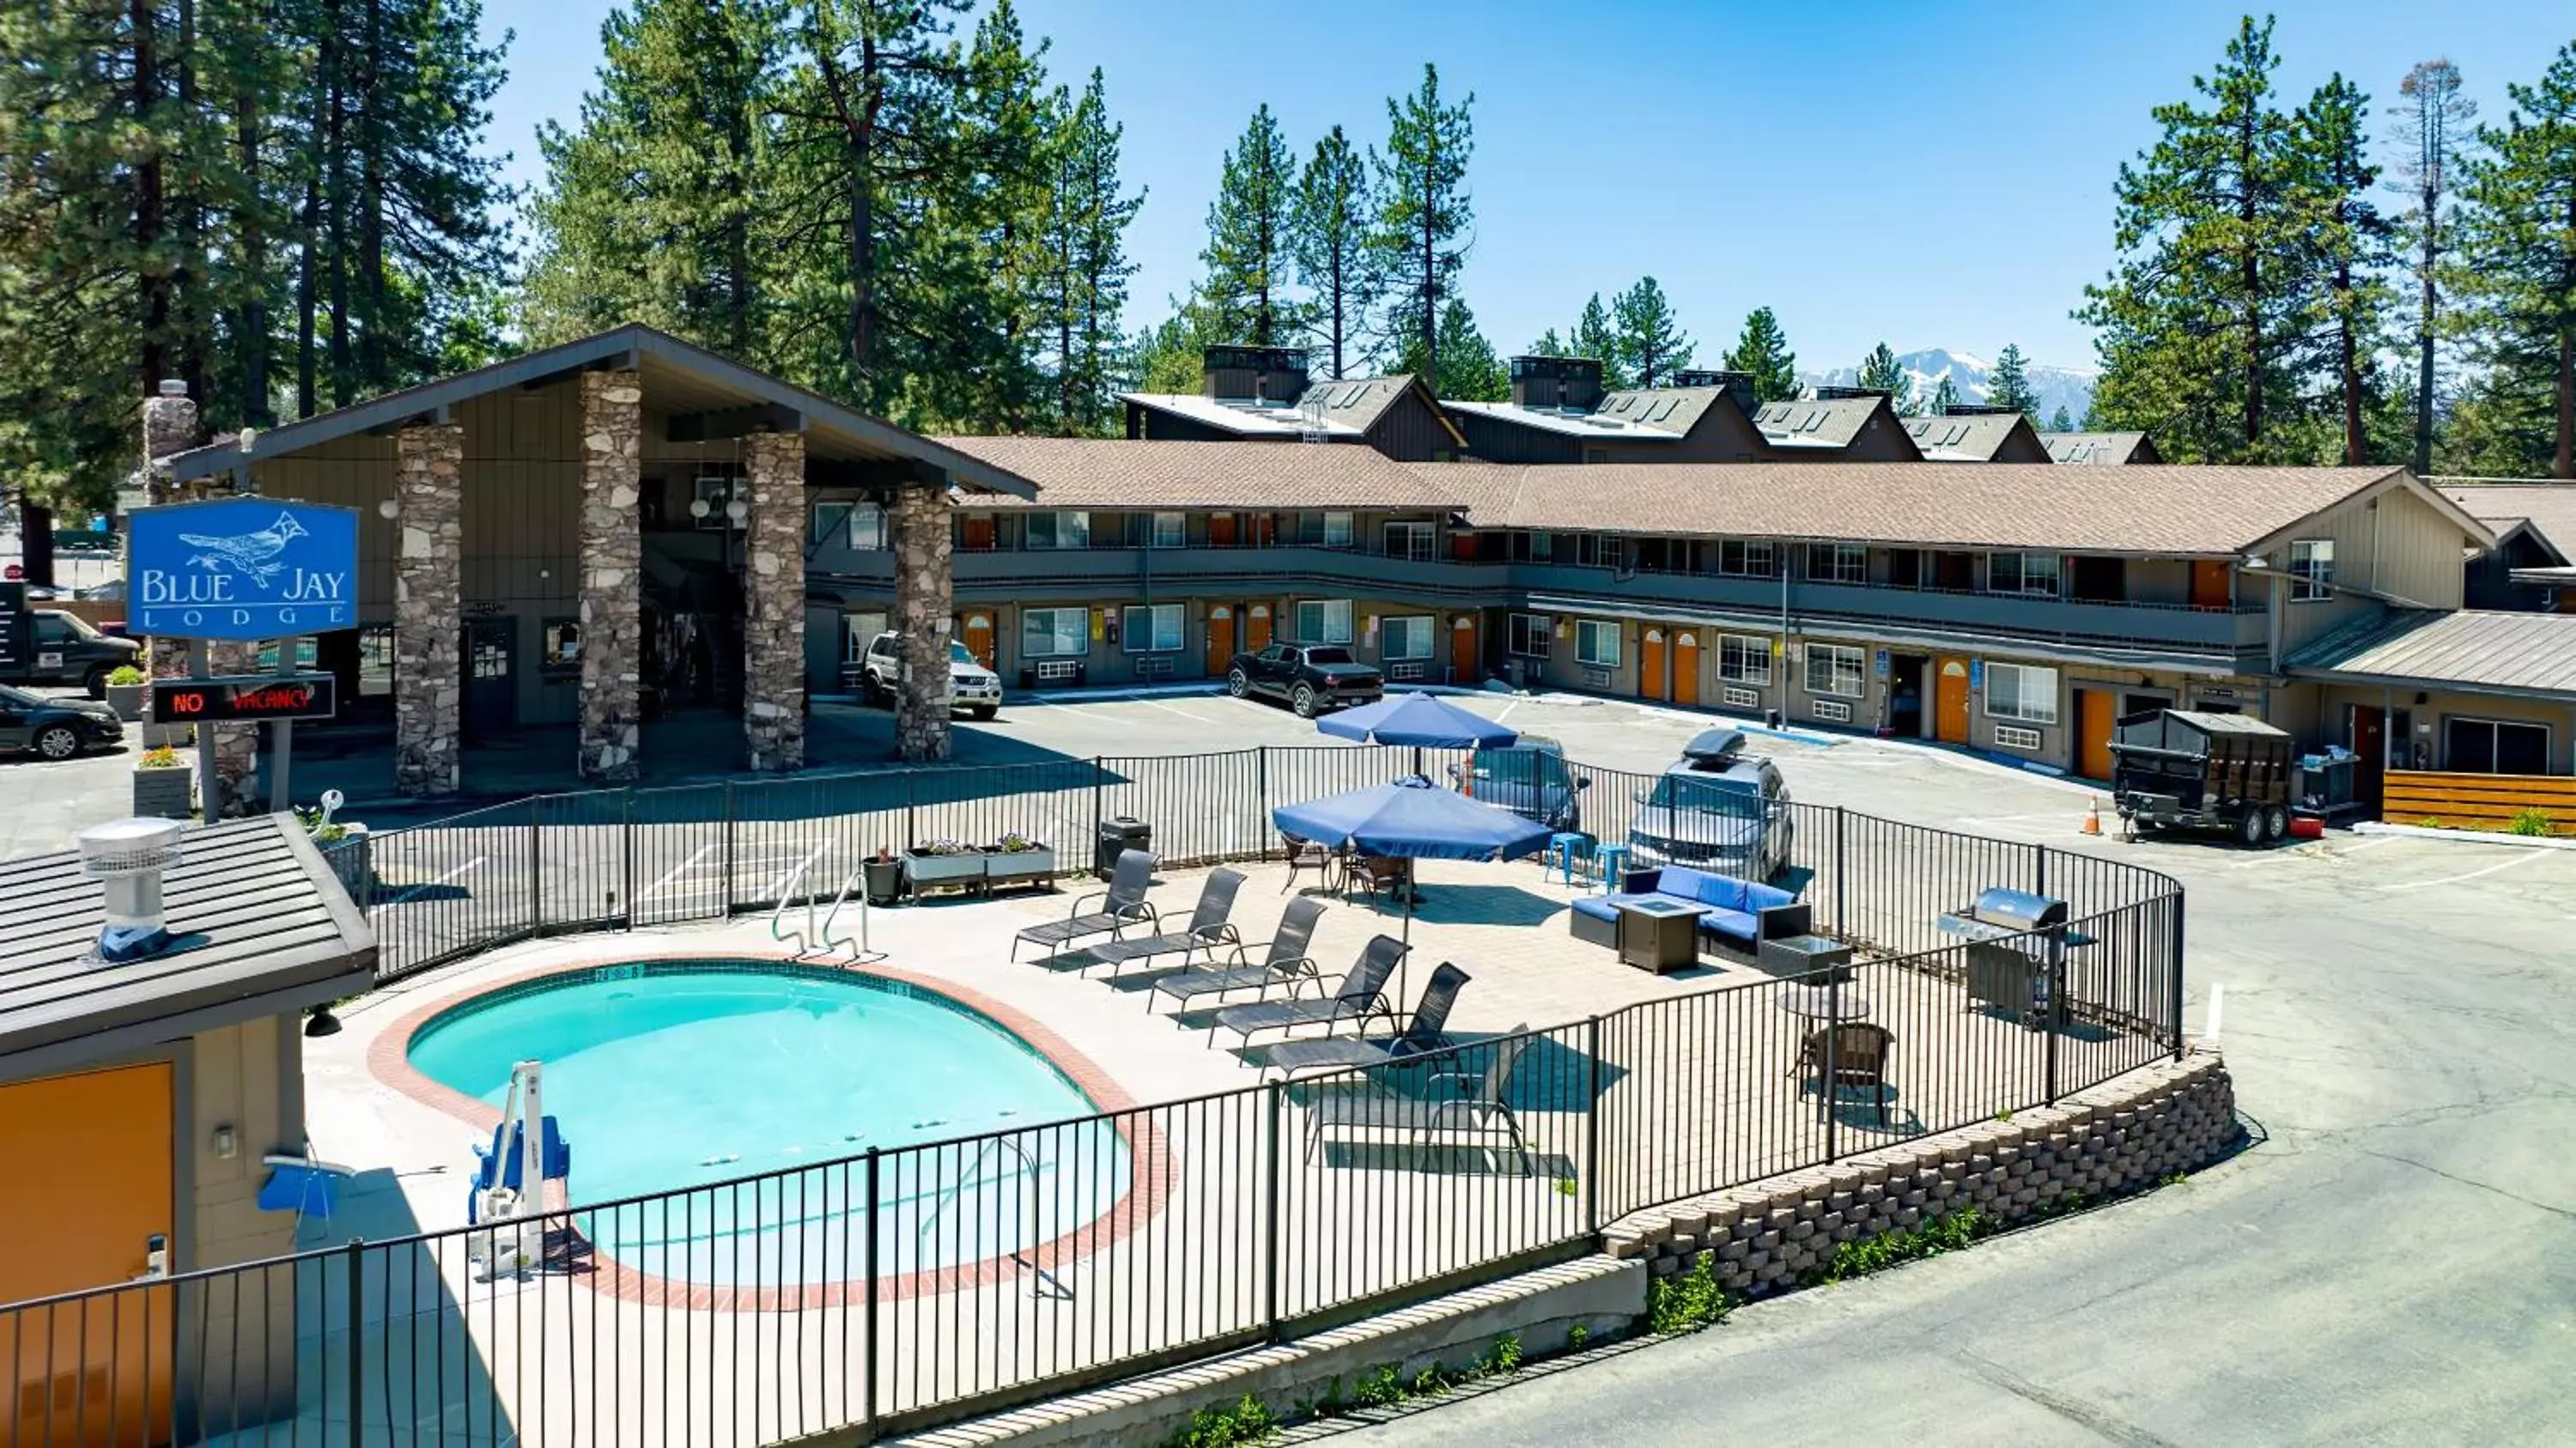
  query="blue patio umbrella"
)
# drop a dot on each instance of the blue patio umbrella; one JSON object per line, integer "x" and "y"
{"x": 1412, "y": 819}
{"x": 1424, "y": 721}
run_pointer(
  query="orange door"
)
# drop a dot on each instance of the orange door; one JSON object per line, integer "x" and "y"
{"x": 1950, "y": 702}
{"x": 2095, "y": 711}
{"x": 1686, "y": 669}
{"x": 1220, "y": 649}
{"x": 1466, "y": 665}
{"x": 1220, "y": 530}
{"x": 2209, "y": 584}
{"x": 979, "y": 533}
{"x": 1262, "y": 529}
{"x": 1256, "y": 628}
{"x": 102, "y": 1375}
{"x": 978, "y": 637}
{"x": 1650, "y": 666}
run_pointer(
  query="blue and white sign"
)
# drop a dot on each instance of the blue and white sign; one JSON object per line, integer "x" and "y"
{"x": 242, "y": 568}
{"x": 1977, "y": 675}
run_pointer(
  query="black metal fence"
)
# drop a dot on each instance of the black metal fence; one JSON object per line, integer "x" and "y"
{"x": 897, "y": 1288}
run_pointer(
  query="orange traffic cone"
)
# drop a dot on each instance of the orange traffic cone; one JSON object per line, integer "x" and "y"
{"x": 2093, "y": 817}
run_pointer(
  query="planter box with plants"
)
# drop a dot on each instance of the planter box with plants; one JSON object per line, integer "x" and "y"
{"x": 127, "y": 690}
{"x": 1014, "y": 860}
{"x": 163, "y": 785}
{"x": 344, "y": 845}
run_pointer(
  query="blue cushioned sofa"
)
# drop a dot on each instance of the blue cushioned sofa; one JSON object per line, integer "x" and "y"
{"x": 1739, "y": 913}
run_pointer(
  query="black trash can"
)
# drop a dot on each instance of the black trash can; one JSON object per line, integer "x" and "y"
{"x": 1118, "y": 835}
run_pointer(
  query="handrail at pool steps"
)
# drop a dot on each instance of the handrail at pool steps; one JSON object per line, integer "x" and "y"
{"x": 918, "y": 1282}
{"x": 817, "y": 938}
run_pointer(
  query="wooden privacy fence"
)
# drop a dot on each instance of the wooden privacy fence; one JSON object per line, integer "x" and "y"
{"x": 2479, "y": 801}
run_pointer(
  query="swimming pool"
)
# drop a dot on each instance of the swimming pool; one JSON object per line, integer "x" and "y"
{"x": 757, "y": 1084}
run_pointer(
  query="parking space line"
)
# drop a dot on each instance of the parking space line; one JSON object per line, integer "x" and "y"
{"x": 429, "y": 884}
{"x": 675, "y": 872}
{"x": 778, "y": 886}
{"x": 2525, "y": 858}
{"x": 1176, "y": 709}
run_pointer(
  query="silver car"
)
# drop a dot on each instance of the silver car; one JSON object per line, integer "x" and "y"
{"x": 1716, "y": 809}
{"x": 971, "y": 686}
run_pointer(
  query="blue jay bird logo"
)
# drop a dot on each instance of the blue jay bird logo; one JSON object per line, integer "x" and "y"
{"x": 253, "y": 555}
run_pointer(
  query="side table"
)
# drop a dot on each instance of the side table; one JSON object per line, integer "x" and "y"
{"x": 1818, "y": 958}
{"x": 1658, "y": 934}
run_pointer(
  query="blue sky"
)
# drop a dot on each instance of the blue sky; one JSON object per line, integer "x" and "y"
{"x": 1927, "y": 175}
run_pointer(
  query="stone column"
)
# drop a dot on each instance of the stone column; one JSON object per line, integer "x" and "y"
{"x": 236, "y": 745}
{"x": 612, "y": 567}
{"x": 169, "y": 426}
{"x": 429, "y": 607}
{"x": 773, "y": 631}
{"x": 924, "y": 590}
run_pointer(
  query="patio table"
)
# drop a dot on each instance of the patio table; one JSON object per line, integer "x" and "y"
{"x": 1824, "y": 1003}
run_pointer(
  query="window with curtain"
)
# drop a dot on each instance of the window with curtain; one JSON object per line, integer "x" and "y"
{"x": 1059, "y": 530}
{"x": 1337, "y": 530}
{"x": 2311, "y": 570}
{"x": 1406, "y": 637}
{"x": 1746, "y": 558}
{"x": 1596, "y": 645}
{"x": 1324, "y": 621}
{"x": 1838, "y": 563}
{"x": 1054, "y": 633}
{"x": 1169, "y": 530}
{"x": 1837, "y": 671}
{"x": 1527, "y": 636}
{"x": 1743, "y": 659}
{"x": 1409, "y": 540}
{"x": 1152, "y": 628}
{"x": 2028, "y": 573}
{"x": 2021, "y": 691}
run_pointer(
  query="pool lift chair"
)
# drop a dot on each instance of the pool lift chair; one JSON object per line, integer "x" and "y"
{"x": 500, "y": 1198}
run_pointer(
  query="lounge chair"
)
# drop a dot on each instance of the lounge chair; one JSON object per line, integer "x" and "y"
{"x": 1485, "y": 1110}
{"x": 1361, "y": 994}
{"x": 1208, "y": 929}
{"x": 1121, "y": 905}
{"x": 1284, "y": 962}
{"x": 1427, "y": 1032}
{"x": 1860, "y": 1052}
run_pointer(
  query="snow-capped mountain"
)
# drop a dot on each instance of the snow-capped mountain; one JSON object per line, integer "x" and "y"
{"x": 2067, "y": 387}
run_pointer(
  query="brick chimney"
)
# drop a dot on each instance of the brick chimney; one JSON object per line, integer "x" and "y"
{"x": 1273, "y": 375}
{"x": 169, "y": 422}
{"x": 1569, "y": 384}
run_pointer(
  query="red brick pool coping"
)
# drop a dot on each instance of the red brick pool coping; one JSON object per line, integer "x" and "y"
{"x": 1152, "y": 1172}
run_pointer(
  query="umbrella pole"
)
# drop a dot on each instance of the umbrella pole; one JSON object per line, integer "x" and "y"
{"x": 1417, "y": 759}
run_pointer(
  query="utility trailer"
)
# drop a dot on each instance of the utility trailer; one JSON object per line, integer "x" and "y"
{"x": 2180, "y": 769}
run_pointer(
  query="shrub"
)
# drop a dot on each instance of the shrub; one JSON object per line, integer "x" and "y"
{"x": 2532, "y": 822}
{"x": 1686, "y": 1301}
{"x": 1865, "y": 1255}
{"x": 124, "y": 674}
{"x": 1244, "y": 1423}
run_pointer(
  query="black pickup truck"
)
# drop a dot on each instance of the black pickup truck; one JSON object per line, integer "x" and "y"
{"x": 1311, "y": 677}
{"x": 63, "y": 648}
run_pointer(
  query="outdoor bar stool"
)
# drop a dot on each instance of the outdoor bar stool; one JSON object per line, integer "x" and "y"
{"x": 1565, "y": 852}
{"x": 1609, "y": 862}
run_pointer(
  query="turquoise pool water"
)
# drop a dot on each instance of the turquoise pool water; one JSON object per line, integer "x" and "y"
{"x": 677, "y": 1075}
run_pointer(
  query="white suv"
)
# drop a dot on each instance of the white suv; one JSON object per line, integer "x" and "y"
{"x": 971, "y": 686}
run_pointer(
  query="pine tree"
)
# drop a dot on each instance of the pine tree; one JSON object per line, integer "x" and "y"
{"x": 1328, "y": 234}
{"x": 1945, "y": 395}
{"x": 2515, "y": 255}
{"x": 1086, "y": 229}
{"x": 1424, "y": 216}
{"x": 1007, "y": 129}
{"x": 1468, "y": 369}
{"x": 2008, "y": 385}
{"x": 1549, "y": 344}
{"x": 1882, "y": 372}
{"x": 1650, "y": 343}
{"x": 2348, "y": 248}
{"x": 2432, "y": 123}
{"x": 1763, "y": 350}
{"x": 1250, "y": 235}
{"x": 2061, "y": 420}
{"x": 1167, "y": 356}
{"x": 1594, "y": 338}
{"x": 2210, "y": 292}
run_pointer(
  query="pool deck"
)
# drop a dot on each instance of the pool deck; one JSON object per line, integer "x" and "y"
{"x": 1180, "y": 1258}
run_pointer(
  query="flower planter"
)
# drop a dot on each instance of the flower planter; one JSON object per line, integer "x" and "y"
{"x": 930, "y": 872}
{"x": 164, "y": 794}
{"x": 352, "y": 860}
{"x": 884, "y": 881}
{"x": 1020, "y": 867}
{"x": 128, "y": 700}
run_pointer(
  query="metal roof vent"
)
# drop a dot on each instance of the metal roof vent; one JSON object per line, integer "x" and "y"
{"x": 128, "y": 856}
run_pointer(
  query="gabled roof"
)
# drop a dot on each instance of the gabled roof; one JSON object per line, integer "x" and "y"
{"x": 2547, "y": 510}
{"x": 1076, "y": 472}
{"x": 1817, "y": 422}
{"x": 2206, "y": 512}
{"x": 2478, "y": 651}
{"x": 1565, "y": 422}
{"x": 1350, "y": 406}
{"x": 2093, "y": 447}
{"x": 1964, "y": 438}
{"x": 678, "y": 377}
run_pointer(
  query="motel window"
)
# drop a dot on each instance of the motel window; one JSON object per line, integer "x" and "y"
{"x": 1324, "y": 621}
{"x": 562, "y": 644}
{"x": 1533, "y": 548}
{"x": 1409, "y": 540}
{"x": 1746, "y": 558}
{"x": 2488, "y": 746}
{"x": 1407, "y": 636}
{"x": 1337, "y": 530}
{"x": 1596, "y": 645}
{"x": 1169, "y": 530}
{"x": 1153, "y": 628}
{"x": 1059, "y": 530}
{"x": 2035, "y": 573}
{"x": 1527, "y": 637}
{"x": 2019, "y": 691}
{"x": 2311, "y": 570}
{"x": 1836, "y": 670}
{"x": 858, "y": 526}
{"x": 1837, "y": 563}
{"x": 1055, "y": 633}
{"x": 1743, "y": 659}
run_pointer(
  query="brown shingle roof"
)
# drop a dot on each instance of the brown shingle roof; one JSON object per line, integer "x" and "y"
{"x": 2550, "y": 509}
{"x": 2172, "y": 510}
{"x": 1118, "y": 473}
